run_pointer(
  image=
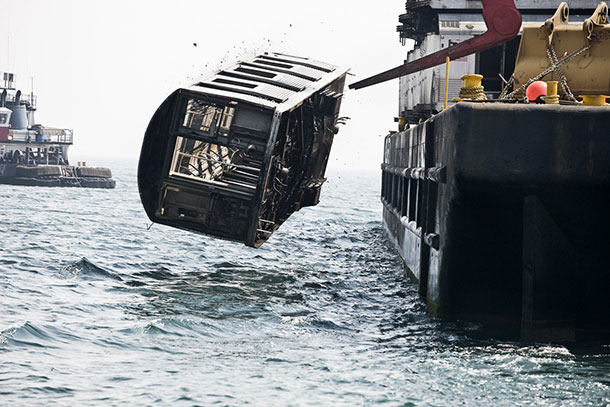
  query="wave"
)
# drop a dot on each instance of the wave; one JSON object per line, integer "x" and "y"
{"x": 88, "y": 270}
{"x": 28, "y": 335}
{"x": 161, "y": 274}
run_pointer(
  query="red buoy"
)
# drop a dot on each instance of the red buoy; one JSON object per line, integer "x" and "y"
{"x": 535, "y": 90}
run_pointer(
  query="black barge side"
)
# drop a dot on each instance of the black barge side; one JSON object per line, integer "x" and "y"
{"x": 500, "y": 212}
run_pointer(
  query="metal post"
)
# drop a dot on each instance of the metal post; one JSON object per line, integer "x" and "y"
{"x": 446, "y": 82}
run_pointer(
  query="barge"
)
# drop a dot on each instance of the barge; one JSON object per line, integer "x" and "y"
{"x": 497, "y": 205}
{"x": 36, "y": 155}
{"x": 235, "y": 154}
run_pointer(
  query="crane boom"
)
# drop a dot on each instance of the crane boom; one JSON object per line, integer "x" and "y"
{"x": 503, "y": 21}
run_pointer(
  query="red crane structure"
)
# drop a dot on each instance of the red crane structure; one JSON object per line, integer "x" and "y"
{"x": 503, "y": 21}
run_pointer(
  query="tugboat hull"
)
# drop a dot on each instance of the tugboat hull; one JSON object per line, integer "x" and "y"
{"x": 56, "y": 176}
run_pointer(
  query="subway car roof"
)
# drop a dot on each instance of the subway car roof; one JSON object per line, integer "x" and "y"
{"x": 271, "y": 80}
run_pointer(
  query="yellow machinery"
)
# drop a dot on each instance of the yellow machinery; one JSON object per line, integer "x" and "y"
{"x": 576, "y": 55}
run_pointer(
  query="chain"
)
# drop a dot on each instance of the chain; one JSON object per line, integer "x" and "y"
{"x": 550, "y": 52}
{"x": 554, "y": 66}
{"x": 510, "y": 82}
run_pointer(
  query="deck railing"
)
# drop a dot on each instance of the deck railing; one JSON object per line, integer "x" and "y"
{"x": 54, "y": 135}
{"x": 27, "y": 98}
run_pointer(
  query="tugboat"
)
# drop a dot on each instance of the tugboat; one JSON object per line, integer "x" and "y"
{"x": 36, "y": 155}
{"x": 495, "y": 196}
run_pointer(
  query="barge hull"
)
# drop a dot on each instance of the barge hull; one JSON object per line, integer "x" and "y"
{"x": 500, "y": 214}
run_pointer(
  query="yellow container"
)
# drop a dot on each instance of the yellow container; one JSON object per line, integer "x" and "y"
{"x": 551, "y": 88}
{"x": 551, "y": 99}
{"x": 594, "y": 100}
{"x": 402, "y": 122}
{"x": 471, "y": 80}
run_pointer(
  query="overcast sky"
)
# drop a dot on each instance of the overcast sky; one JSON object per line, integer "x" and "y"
{"x": 103, "y": 67}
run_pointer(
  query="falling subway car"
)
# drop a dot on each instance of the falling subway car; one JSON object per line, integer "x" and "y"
{"x": 235, "y": 155}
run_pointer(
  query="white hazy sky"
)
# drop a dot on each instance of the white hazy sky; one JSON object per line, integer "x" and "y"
{"x": 103, "y": 67}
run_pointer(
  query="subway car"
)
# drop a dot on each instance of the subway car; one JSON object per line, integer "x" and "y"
{"x": 233, "y": 156}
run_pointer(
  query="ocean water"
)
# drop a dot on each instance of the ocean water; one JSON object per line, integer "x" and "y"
{"x": 96, "y": 308}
